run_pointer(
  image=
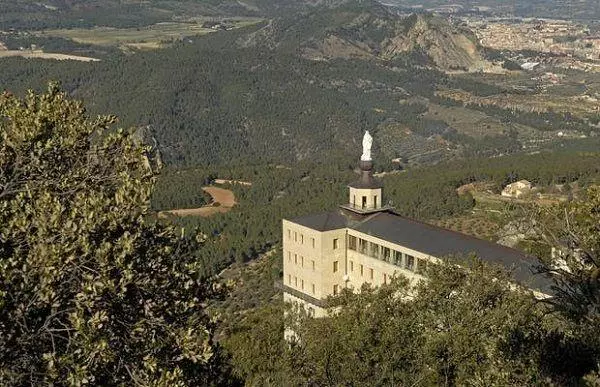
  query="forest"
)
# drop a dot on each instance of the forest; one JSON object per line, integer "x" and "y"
{"x": 249, "y": 95}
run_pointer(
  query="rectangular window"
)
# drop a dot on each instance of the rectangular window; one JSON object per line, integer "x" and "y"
{"x": 312, "y": 240}
{"x": 385, "y": 254}
{"x": 352, "y": 242}
{"x": 375, "y": 201}
{"x": 295, "y": 259}
{"x": 289, "y": 256}
{"x": 374, "y": 250}
{"x": 397, "y": 258}
{"x": 289, "y": 234}
{"x": 364, "y": 202}
{"x": 409, "y": 262}
{"x": 362, "y": 270}
{"x": 384, "y": 278}
{"x": 302, "y": 238}
{"x": 313, "y": 265}
{"x": 296, "y": 281}
{"x": 351, "y": 266}
{"x": 335, "y": 266}
{"x": 335, "y": 243}
{"x": 362, "y": 246}
{"x": 302, "y": 284}
{"x": 313, "y": 288}
{"x": 301, "y": 261}
{"x": 289, "y": 279}
{"x": 295, "y": 236}
{"x": 371, "y": 273}
{"x": 335, "y": 290}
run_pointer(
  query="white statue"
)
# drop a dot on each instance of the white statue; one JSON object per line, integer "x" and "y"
{"x": 367, "y": 142}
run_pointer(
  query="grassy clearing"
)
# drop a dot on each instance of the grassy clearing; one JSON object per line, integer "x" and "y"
{"x": 149, "y": 37}
{"x": 44, "y": 55}
{"x": 467, "y": 121}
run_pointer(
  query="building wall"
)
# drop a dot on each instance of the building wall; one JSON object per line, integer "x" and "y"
{"x": 320, "y": 264}
{"x": 374, "y": 197}
{"x": 302, "y": 258}
{"x": 377, "y": 271}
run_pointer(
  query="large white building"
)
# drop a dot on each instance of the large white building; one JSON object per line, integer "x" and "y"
{"x": 366, "y": 241}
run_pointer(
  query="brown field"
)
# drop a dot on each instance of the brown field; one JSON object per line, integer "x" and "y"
{"x": 44, "y": 55}
{"x": 225, "y": 197}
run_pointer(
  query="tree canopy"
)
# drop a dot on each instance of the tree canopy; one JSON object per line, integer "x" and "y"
{"x": 90, "y": 292}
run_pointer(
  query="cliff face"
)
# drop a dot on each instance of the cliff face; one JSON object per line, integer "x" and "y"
{"x": 448, "y": 48}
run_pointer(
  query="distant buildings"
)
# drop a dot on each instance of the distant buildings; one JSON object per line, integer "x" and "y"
{"x": 517, "y": 189}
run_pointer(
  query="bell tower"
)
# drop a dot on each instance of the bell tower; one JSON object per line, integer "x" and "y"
{"x": 366, "y": 194}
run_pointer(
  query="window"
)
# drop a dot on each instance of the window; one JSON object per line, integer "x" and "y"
{"x": 295, "y": 236}
{"x": 409, "y": 262}
{"x": 312, "y": 240}
{"x": 296, "y": 281}
{"x": 371, "y": 273}
{"x": 296, "y": 259}
{"x": 335, "y": 266}
{"x": 354, "y": 200}
{"x": 289, "y": 234}
{"x": 397, "y": 258}
{"x": 384, "y": 278}
{"x": 313, "y": 265}
{"x": 362, "y": 269}
{"x": 362, "y": 246}
{"x": 302, "y": 261}
{"x": 313, "y": 288}
{"x": 374, "y": 250}
{"x": 364, "y": 202}
{"x": 302, "y": 238}
{"x": 335, "y": 290}
{"x": 289, "y": 279}
{"x": 352, "y": 242}
{"x": 302, "y": 284}
{"x": 375, "y": 201}
{"x": 289, "y": 256}
{"x": 351, "y": 266}
{"x": 385, "y": 254}
{"x": 335, "y": 243}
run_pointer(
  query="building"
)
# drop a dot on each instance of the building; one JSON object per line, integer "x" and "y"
{"x": 364, "y": 240}
{"x": 517, "y": 189}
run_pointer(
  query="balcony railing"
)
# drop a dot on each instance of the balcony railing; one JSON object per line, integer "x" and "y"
{"x": 365, "y": 209}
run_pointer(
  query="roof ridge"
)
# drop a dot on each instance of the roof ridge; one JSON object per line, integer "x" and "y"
{"x": 432, "y": 226}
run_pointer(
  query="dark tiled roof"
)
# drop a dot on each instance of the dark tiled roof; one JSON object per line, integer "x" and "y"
{"x": 440, "y": 242}
{"x": 431, "y": 240}
{"x": 325, "y": 221}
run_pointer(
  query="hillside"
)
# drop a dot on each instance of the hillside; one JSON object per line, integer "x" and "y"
{"x": 305, "y": 85}
{"x": 368, "y": 30}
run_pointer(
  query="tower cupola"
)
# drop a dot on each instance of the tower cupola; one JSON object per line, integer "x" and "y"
{"x": 366, "y": 194}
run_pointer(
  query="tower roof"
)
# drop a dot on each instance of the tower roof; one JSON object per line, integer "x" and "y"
{"x": 366, "y": 181}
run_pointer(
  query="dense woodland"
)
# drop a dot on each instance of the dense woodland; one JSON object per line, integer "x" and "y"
{"x": 248, "y": 95}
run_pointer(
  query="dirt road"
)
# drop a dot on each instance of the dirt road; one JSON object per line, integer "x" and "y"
{"x": 223, "y": 196}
